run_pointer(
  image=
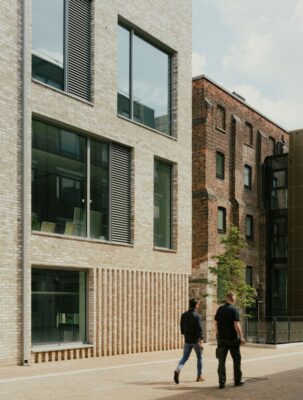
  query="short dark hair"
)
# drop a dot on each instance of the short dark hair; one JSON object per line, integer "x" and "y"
{"x": 193, "y": 303}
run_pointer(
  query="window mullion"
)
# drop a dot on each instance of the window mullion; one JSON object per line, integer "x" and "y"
{"x": 131, "y": 107}
{"x": 88, "y": 185}
{"x": 110, "y": 192}
{"x": 65, "y": 39}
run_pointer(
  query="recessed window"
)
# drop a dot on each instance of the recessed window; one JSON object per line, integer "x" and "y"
{"x": 220, "y": 118}
{"x": 162, "y": 205}
{"x": 61, "y": 45}
{"x": 58, "y": 306}
{"x": 247, "y": 177}
{"x": 219, "y": 165}
{"x": 279, "y": 237}
{"x": 279, "y": 179}
{"x": 80, "y": 186}
{"x": 221, "y": 220}
{"x": 272, "y": 145}
{"x": 249, "y": 276}
{"x": 248, "y": 136}
{"x": 144, "y": 81}
{"x": 249, "y": 226}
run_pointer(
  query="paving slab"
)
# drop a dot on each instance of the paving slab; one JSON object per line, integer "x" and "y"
{"x": 269, "y": 374}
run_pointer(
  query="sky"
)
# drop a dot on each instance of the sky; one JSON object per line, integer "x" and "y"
{"x": 255, "y": 48}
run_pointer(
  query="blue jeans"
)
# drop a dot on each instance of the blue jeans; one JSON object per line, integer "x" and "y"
{"x": 186, "y": 353}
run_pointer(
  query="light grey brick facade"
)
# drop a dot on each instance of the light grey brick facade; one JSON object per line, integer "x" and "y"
{"x": 147, "y": 284}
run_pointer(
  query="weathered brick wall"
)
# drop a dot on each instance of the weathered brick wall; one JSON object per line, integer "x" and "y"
{"x": 210, "y": 192}
{"x": 168, "y": 22}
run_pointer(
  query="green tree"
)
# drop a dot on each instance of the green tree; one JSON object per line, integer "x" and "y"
{"x": 230, "y": 270}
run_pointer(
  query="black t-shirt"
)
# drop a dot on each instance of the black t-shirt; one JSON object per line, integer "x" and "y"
{"x": 225, "y": 316}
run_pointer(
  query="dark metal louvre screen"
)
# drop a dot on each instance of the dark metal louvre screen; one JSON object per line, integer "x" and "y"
{"x": 79, "y": 48}
{"x": 120, "y": 193}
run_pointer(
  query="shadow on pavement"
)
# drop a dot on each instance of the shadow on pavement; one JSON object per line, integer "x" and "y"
{"x": 286, "y": 385}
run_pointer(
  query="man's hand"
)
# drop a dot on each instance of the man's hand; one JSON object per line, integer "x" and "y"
{"x": 242, "y": 340}
{"x": 201, "y": 344}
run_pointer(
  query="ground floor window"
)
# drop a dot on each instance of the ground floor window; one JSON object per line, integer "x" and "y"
{"x": 58, "y": 306}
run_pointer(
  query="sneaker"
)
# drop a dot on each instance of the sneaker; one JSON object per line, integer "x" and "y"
{"x": 221, "y": 385}
{"x": 200, "y": 379}
{"x": 176, "y": 376}
{"x": 240, "y": 383}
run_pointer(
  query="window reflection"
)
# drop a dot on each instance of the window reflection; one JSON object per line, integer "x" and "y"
{"x": 143, "y": 82}
{"x": 162, "y": 205}
{"x": 48, "y": 42}
{"x": 58, "y": 306}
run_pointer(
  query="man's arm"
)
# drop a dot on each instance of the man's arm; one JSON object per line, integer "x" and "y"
{"x": 239, "y": 331}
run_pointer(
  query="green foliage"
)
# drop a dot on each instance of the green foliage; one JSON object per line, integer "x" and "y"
{"x": 230, "y": 270}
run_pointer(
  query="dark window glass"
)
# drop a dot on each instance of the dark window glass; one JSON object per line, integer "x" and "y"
{"x": 279, "y": 238}
{"x": 249, "y": 276}
{"x": 48, "y": 42}
{"x": 220, "y": 165}
{"x": 143, "y": 82}
{"x": 220, "y": 118}
{"x": 58, "y": 180}
{"x": 58, "y": 306}
{"x": 99, "y": 190}
{"x": 247, "y": 177}
{"x": 248, "y": 133}
{"x": 221, "y": 220}
{"x": 279, "y": 179}
{"x": 162, "y": 204}
{"x": 64, "y": 164}
{"x": 249, "y": 226}
{"x": 279, "y": 289}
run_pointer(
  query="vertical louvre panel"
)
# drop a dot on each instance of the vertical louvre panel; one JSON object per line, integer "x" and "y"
{"x": 79, "y": 48}
{"x": 120, "y": 194}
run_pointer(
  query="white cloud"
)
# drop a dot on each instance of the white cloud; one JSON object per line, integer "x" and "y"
{"x": 286, "y": 113}
{"x": 199, "y": 63}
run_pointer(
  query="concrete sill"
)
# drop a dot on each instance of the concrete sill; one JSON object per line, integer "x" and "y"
{"x": 63, "y": 346}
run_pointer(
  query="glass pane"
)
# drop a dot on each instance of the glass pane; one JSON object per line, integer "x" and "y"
{"x": 48, "y": 42}
{"x": 123, "y": 71}
{"x": 247, "y": 176}
{"x": 58, "y": 306}
{"x": 279, "y": 179}
{"x": 220, "y": 165}
{"x": 279, "y": 289}
{"x": 248, "y": 226}
{"x": 279, "y": 199}
{"x": 58, "y": 180}
{"x": 99, "y": 191}
{"x": 221, "y": 222}
{"x": 151, "y": 94}
{"x": 162, "y": 205}
{"x": 249, "y": 276}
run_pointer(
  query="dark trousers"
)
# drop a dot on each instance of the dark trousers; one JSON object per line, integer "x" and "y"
{"x": 234, "y": 347}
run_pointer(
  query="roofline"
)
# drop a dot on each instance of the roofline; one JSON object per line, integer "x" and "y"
{"x": 196, "y": 78}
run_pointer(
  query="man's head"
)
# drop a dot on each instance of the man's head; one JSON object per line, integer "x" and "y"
{"x": 193, "y": 304}
{"x": 231, "y": 297}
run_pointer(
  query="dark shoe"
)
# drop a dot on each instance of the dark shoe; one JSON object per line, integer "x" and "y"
{"x": 200, "y": 379}
{"x": 176, "y": 376}
{"x": 241, "y": 383}
{"x": 221, "y": 385}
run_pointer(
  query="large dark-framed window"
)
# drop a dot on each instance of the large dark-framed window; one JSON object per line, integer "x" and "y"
{"x": 59, "y": 306}
{"x": 249, "y": 276}
{"x": 80, "y": 185}
{"x": 220, "y": 167}
{"x": 249, "y": 226}
{"x": 247, "y": 177}
{"x": 144, "y": 81}
{"x": 61, "y": 45}
{"x": 221, "y": 220}
{"x": 163, "y": 197}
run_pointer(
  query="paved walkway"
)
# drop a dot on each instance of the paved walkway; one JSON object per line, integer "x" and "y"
{"x": 269, "y": 374}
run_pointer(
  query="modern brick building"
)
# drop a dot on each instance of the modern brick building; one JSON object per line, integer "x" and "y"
{"x": 95, "y": 177}
{"x": 230, "y": 143}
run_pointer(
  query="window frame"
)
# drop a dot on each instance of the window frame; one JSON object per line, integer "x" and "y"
{"x": 135, "y": 31}
{"x": 218, "y": 174}
{"x": 223, "y": 210}
{"x": 250, "y": 269}
{"x": 250, "y": 234}
{"x": 248, "y": 137}
{"x": 249, "y": 169}
{"x": 222, "y": 109}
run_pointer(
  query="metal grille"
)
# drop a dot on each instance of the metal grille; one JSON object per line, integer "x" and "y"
{"x": 120, "y": 194}
{"x": 79, "y": 48}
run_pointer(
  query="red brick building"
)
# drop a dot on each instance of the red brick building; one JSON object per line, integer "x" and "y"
{"x": 230, "y": 143}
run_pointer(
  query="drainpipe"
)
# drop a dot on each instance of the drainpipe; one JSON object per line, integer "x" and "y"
{"x": 25, "y": 183}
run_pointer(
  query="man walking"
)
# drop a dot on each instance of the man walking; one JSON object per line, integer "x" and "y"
{"x": 191, "y": 328}
{"x": 229, "y": 337}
